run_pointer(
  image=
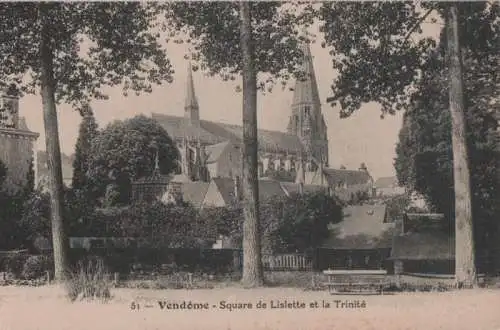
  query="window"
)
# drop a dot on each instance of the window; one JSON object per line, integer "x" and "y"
{"x": 349, "y": 262}
{"x": 307, "y": 110}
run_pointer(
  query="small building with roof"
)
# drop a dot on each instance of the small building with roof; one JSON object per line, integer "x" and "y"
{"x": 151, "y": 187}
{"x": 343, "y": 183}
{"x": 423, "y": 245}
{"x": 362, "y": 240}
{"x": 227, "y": 191}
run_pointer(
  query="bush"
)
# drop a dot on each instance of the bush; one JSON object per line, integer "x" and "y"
{"x": 13, "y": 264}
{"x": 36, "y": 266}
{"x": 91, "y": 281}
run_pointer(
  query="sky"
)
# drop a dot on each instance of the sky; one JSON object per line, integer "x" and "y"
{"x": 363, "y": 137}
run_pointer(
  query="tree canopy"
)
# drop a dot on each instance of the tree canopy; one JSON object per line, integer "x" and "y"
{"x": 212, "y": 29}
{"x": 87, "y": 132}
{"x": 69, "y": 52}
{"x": 380, "y": 51}
{"x": 289, "y": 224}
{"x": 125, "y": 151}
{"x": 94, "y": 44}
{"x": 424, "y": 156}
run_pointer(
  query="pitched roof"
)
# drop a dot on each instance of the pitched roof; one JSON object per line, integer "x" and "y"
{"x": 362, "y": 227}
{"x": 194, "y": 192}
{"x": 214, "y": 151}
{"x": 270, "y": 188}
{"x": 293, "y": 188}
{"x": 349, "y": 177}
{"x": 267, "y": 189}
{"x": 212, "y": 133}
{"x": 418, "y": 222}
{"x": 225, "y": 186}
{"x": 423, "y": 246}
{"x": 387, "y": 182}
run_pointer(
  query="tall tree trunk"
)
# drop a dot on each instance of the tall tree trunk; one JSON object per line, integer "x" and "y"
{"x": 252, "y": 265}
{"x": 59, "y": 239}
{"x": 465, "y": 268}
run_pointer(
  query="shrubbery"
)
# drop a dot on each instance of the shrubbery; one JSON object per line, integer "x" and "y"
{"x": 36, "y": 267}
{"x": 288, "y": 224}
{"x": 13, "y": 263}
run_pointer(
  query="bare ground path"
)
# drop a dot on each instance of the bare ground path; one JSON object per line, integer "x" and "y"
{"x": 46, "y": 308}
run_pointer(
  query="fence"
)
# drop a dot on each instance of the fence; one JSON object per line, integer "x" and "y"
{"x": 287, "y": 262}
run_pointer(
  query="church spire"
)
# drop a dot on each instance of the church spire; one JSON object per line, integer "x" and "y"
{"x": 191, "y": 108}
{"x": 306, "y": 87}
{"x": 307, "y": 121}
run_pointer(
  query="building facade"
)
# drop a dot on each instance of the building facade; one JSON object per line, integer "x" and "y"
{"x": 211, "y": 150}
{"x": 16, "y": 143}
{"x": 216, "y": 147}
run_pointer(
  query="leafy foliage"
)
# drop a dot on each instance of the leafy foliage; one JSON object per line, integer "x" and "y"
{"x": 259, "y": 41}
{"x": 35, "y": 267}
{"x": 424, "y": 159}
{"x": 376, "y": 54}
{"x": 305, "y": 221}
{"x": 212, "y": 31}
{"x": 298, "y": 222}
{"x": 125, "y": 151}
{"x": 88, "y": 131}
{"x": 35, "y": 218}
{"x": 155, "y": 224}
{"x": 123, "y": 48}
{"x": 44, "y": 52}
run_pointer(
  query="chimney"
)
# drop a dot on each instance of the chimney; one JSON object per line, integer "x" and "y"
{"x": 237, "y": 188}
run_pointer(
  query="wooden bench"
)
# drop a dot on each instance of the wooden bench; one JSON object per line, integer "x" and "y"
{"x": 356, "y": 281}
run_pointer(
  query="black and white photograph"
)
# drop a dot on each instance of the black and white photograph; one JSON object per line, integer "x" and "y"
{"x": 263, "y": 165}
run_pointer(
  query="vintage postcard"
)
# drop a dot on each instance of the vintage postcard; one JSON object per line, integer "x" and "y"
{"x": 249, "y": 165}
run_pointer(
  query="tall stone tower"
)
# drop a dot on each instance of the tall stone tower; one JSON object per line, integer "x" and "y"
{"x": 193, "y": 155}
{"x": 16, "y": 142}
{"x": 306, "y": 120}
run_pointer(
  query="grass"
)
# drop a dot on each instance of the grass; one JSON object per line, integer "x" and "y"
{"x": 91, "y": 281}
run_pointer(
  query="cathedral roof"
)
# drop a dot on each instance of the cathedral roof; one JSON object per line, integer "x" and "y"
{"x": 214, "y": 151}
{"x": 210, "y": 132}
